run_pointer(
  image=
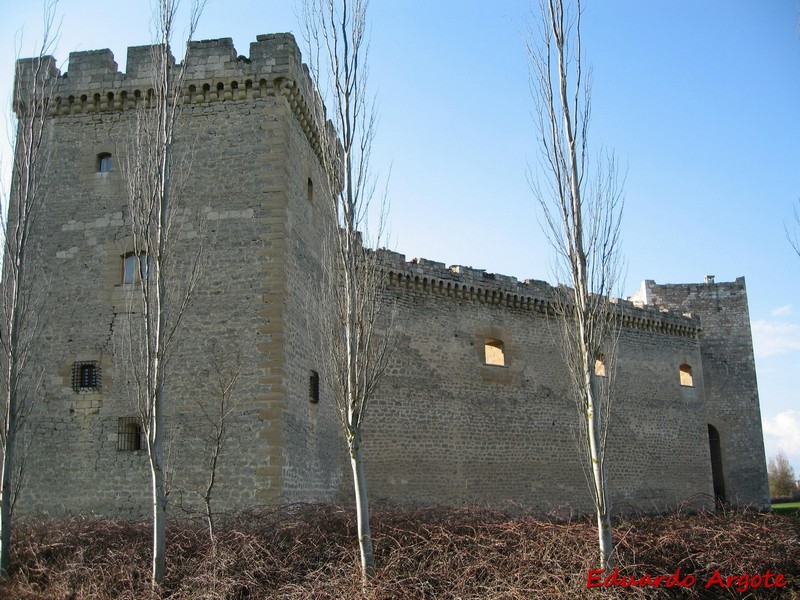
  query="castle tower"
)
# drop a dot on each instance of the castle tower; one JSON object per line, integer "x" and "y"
{"x": 245, "y": 146}
{"x": 736, "y": 442}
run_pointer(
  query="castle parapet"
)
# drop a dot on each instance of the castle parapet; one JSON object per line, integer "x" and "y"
{"x": 675, "y": 295}
{"x": 423, "y": 276}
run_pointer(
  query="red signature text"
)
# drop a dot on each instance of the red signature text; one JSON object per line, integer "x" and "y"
{"x": 741, "y": 583}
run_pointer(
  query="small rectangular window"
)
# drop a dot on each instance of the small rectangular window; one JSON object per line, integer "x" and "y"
{"x": 86, "y": 376}
{"x": 686, "y": 376}
{"x": 494, "y": 352}
{"x": 130, "y": 434}
{"x": 104, "y": 163}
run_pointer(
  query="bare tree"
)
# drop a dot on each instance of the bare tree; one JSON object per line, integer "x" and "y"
{"x": 215, "y": 421}
{"x": 156, "y": 176}
{"x": 21, "y": 286}
{"x": 781, "y": 476}
{"x": 581, "y": 217}
{"x": 358, "y": 340}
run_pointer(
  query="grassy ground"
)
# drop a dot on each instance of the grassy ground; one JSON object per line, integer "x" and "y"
{"x": 309, "y": 552}
{"x": 786, "y": 508}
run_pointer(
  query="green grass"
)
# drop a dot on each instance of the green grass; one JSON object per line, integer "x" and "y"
{"x": 786, "y": 508}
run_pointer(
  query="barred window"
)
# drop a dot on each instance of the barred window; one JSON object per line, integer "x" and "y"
{"x": 130, "y": 434}
{"x": 313, "y": 387}
{"x": 86, "y": 376}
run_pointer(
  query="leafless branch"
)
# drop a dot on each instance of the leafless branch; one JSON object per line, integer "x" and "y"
{"x": 215, "y": 419}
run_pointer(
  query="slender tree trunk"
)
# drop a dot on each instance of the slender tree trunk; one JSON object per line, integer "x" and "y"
{"x": 159, "y": 494}
{"x": 227, "y": 375}
{"x": 212, "y": 479}
{"x": 153, "y": 199}
{"x": 9, "y": 434}
{"x": 12, "y": 397}
{"x": 159, "y": 488}
{"x": 596, "y": 451}
{"x": 210, "y": 520}
{"x": 159, "y": 526}
{"x": 362, "y": 508}
{"x": 7, "y": 490}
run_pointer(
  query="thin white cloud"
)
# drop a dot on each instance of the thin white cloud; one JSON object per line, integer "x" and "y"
{"x": 773, "y": 338}
{"x": 785, "y": 427}
{"x": 783, "y": 311}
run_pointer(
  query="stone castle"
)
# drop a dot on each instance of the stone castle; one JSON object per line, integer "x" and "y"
{"x": 475, "y": 407}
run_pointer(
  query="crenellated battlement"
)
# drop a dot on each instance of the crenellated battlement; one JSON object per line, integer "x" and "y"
{"x": 421, "y": 275}
{"x": 213, "y": 72}
{"x": 210, "y": 64}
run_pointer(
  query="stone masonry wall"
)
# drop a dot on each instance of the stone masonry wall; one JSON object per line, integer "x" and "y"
{"x": 447, "y": 427}
{"x": 314, "y": 448}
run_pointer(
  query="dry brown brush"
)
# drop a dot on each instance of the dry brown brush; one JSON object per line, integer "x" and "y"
{"x": 305, "y": 551}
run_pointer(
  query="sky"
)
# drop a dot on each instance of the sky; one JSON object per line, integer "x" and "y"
{"x": 700, "y": 102}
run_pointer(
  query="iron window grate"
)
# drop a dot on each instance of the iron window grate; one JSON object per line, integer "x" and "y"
{"x": 130, "y": 434}
{"x": 86, "y": 376}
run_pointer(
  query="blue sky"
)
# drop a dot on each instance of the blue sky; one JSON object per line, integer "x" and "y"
{"x": 699, "y": 100}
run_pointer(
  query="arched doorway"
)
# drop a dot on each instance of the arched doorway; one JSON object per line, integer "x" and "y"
{"x": 716, "y": 465}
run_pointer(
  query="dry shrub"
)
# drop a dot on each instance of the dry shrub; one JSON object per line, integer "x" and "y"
{"x": 310, "y": 551}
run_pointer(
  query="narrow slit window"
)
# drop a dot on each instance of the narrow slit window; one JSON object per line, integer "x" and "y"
{"x": 494, "y": 352}
{"x": 130, "y": 434}
{"x": 600, "y": 365}
{"x": 686, "y": 376}
{"x": 313, "y": 387}
{"x": 104, "y": 162}
{"x": 310, "y": 191}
